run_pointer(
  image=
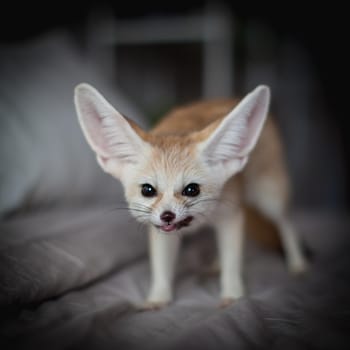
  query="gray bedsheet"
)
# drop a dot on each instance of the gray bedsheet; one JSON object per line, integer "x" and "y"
{"x": 69, "y": 278}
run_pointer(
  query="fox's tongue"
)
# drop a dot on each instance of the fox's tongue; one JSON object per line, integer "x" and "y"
{"x": 168, "y": 228}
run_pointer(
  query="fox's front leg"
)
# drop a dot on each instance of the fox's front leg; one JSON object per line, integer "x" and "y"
{"x": 229, "y": 232}
{"x": 163, "y": 253}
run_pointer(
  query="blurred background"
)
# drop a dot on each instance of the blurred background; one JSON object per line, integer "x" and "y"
{"x": 148, "y": 57}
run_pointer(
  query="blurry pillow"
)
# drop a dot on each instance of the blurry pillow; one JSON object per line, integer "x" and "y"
{"x": 44, "y": 157}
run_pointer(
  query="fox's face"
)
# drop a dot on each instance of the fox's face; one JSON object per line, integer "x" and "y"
{"x": 171, "y": 188}
{"x": 171, "y": 182}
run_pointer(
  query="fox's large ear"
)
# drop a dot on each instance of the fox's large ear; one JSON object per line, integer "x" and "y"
{"x": 109, "y": 134}
{"x": 230, "y": 142}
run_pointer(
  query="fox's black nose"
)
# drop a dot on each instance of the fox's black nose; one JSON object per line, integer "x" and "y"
{"x": 168, "y": 216}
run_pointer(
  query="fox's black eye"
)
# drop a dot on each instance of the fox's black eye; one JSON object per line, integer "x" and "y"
{"x": 148, "y": 190}
{"x": 191, "y": 190}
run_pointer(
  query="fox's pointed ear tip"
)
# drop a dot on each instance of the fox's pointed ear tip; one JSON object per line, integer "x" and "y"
{"x": 82, "y": 87}
{"x": 263, "y": 90}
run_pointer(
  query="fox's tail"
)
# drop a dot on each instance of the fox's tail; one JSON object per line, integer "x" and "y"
{"x": 262, "y": 229}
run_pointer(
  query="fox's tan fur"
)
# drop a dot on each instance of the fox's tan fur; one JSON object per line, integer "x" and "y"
{"x": 176, "y": 152}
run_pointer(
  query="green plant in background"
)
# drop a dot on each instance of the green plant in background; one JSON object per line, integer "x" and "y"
{"x": 157, "y": 112}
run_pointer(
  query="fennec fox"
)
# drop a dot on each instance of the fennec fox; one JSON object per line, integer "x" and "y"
{"x": 183, "y": 173}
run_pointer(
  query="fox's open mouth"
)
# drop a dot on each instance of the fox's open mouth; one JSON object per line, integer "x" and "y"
{"x": 176, "y": 225}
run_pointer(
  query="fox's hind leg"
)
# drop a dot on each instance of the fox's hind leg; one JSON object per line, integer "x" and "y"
{"x": 269, "y": 194}
{"x": 296, "y": 261}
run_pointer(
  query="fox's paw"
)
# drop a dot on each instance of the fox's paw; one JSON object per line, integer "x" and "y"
{"x": 298, "y": 267}
{"x": 158, "y": 298}
{"x": 226, "y": 302}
